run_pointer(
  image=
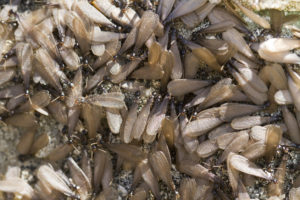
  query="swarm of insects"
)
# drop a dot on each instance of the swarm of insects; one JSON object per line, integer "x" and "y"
{"x": 56, "y": 60}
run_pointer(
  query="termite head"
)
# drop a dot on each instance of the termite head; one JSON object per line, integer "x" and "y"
{"x": 62, "y": 95}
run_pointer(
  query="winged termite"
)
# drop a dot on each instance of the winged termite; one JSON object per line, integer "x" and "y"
{"x": 100, "y": 36}
{"x": 246, "y": 61}
{"x": 114, "y": 119}
{"x": 225, "y": 139}
{"x": 96, "y": 79}
{"x": 206, "y": 149}
{"x": 233, "y": 174}
{"x": 273, "y": 138}
{"x": 191, "y": 65}
{"x": 111, "y": 49}
{"x": 220, "y": 14}
{"x": 242, "y": 164}
{"x": 26, "y": 141}
{"x": 222, "y": 90}
{"x": 86, "y": 166}
{"x": 258, "y": 133}
{"x": 106, "y": 100}
{"x": 84, "y": 9}
{"x": 181, "y": 87}
{"x": 18, "y": 186}
{"x": 188, "y": 188}
{"x": 156, "y": 118}
{"x": 239, "y": 96}
{"x": 69, "y": 39}
{"x": 161, "y": 167}
{"x": 128, "y": 18}
{"x": 141, "y": 122}
{"x": 125, "y": 71}
{"x": 275, "y": 75}
{"x": 236, "y": 145}
{"x": 149, "y": 177}
{"x": 166, "y": 60}
{"x": 251, "y": 77}
{"x": 129, "y": 152}
{"x": 249, "y": 121}
{"x": 218, "y": 27}
{"x": 291, "y": 124}
{"x": 74, "y": 94}
{"x": 81, "y": 30}
{"x": 256, "y": 96}
{"x": 278, "y": 50}
{"x": 255, "y": 150}
{"x": 149, "y": 72}
{"x": 253, "y": 16}
{"x": 276, "y": 188}
{"x": 207, "y": 113}
{"x": 91, "y": 115}
{"x": 164, "y": 8}
{"x": 7, "y": 75}
{"x": 58, "y": 20}
{"x": 39, "y": 143}
{"x": 24, "y": 120}
{"x": 51, "y": 179}
{"x": 37, "y": 102}
{"x": 167, "y": 130}
{"x": 235, "y": 38}
{"x": 135, "y": 86}
{"x": 126, "y": 134}
{"x": 24, "y": 53}
{"x": 190, "y": 143}
{"x": 15, "y": 101}
{"x": 220, "y": 130}
{"x": 130, "y": 39}
{"x": 194, "y": 18}
{"x": 276, "y": 17}
{"x": 12, "y": 91}
{"x": 146, "y": 27}
{"x": 201, "y": 126}
{"x": 43, "y": 38}
{"x": 100, "y": 159}
{"x": 195, "y": 170}
{"x": 183, "y": 8}
{"x": 204, "y": 55}
{"x": 177, "y": 70}
{"x": 60, "y": 152}
{"x": 59, "y": 111}
{"x": 80, "y": 179}
{"x": 231, "y": 109}
{"x": 271, "y": 93}
{"x": 70, "y": 58}
{"x": 200, "y": 98}
{"x": 223, "y": 50}
{"x": 48, "y": 69}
